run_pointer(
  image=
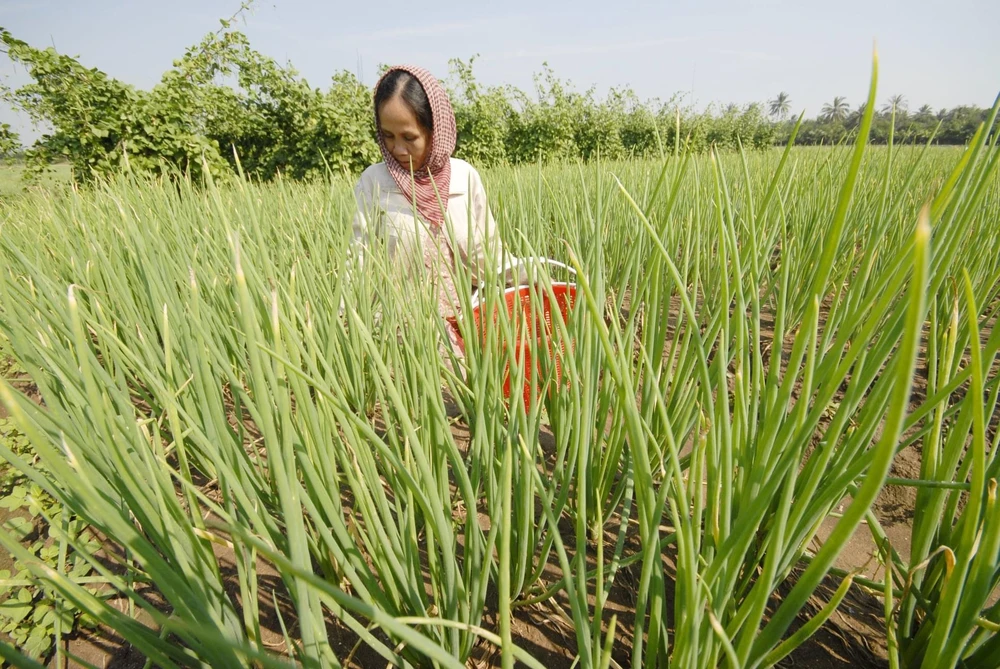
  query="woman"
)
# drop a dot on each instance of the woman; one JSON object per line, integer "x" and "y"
{"x": 426, "y": 206}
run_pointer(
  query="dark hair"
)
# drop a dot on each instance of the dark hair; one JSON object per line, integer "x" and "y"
{"x": 406, "y": 86}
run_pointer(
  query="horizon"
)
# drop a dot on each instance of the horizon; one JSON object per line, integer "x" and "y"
{"x": 742, "y": 54}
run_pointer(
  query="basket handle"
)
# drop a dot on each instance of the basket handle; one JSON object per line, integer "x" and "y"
{"x": 511, "y": 264}
{"x": 515, "y": 262}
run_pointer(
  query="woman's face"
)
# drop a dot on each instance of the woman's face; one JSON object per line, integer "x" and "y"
{"x": 404, "y": 137}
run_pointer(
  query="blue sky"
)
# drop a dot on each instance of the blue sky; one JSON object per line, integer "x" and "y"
{"x": 724, "y": 51}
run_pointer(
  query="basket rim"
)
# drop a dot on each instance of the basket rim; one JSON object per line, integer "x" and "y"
{"x": 476, "y": 303}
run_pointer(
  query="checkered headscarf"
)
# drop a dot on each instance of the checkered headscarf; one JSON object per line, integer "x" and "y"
{"x": 438, "y": 165}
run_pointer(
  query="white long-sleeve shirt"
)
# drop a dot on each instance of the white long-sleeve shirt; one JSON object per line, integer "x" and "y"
{"x": 384, "y": 212}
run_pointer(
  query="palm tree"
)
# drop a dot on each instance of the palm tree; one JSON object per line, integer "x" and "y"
{"x": 854, "y": 117}
{"x": 896, "y": 103}
{"x": 925, "y": 112}
{"x": 836, "y": 110}
{"x": 780, "y": 106}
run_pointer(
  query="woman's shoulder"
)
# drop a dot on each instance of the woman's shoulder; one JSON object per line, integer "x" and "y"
{"x": 459, "y": 166}
{"x": 465, "y": 174}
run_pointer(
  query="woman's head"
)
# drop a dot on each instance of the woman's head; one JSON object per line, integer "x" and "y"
{"x": 416, "y": 131}
{"x": 405, "y": 120}
{"x": 416, "y": 125}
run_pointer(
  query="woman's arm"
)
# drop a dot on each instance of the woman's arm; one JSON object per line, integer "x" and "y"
{"x": 368, "y": 224}
{"x": 359, "y": 226}
{"x": 361, "y": 230}
{"x": 487, "y": 252}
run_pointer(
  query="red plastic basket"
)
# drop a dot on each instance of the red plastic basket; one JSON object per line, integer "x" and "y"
{"x": 527, "y": 323}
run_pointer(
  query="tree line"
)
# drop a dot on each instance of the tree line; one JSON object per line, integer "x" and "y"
{"x": 838, "y": 119}
{"x": 224, "y": 108}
